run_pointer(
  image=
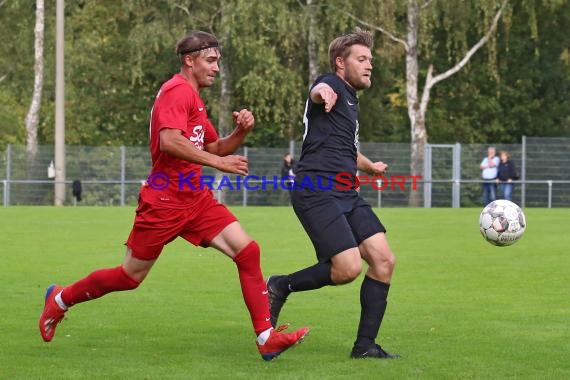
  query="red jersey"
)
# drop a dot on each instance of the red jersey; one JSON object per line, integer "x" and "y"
{"x": 173, "y": 182}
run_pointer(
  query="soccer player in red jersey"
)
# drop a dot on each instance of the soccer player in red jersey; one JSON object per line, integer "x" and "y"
{"x": 172, "y": 203}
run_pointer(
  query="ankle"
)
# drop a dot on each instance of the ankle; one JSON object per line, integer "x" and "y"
{"x": 59, "y": 301}
{"x": 284, "y": 285}
{"x": 264, "y": 336}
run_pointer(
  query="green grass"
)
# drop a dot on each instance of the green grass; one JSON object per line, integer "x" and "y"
{"x": 459, "y": 308}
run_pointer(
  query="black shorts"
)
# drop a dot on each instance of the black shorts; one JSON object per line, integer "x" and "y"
{"x": 334, "y": 222}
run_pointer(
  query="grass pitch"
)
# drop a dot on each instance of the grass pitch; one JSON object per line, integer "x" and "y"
{"x": 458, "y": 308}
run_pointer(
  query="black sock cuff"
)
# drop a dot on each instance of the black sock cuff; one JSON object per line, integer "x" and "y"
{"x": 376, "y": 283}
{"x": 313, "y": 277}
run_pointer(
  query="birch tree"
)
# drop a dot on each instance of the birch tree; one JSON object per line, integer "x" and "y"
{"x": 312, "y": 50}
{"x": 2, "y": 76}
{"x": 32, "y": 117}
{"x": 417, "y": 104}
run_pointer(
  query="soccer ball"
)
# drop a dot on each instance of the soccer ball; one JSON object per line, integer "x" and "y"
{"x": 502, "y": 223}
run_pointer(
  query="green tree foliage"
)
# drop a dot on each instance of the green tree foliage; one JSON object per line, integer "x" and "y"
{"x": 118, "y": 53}
{"x": 520, "y": 86}
{"x": 263, "y": 50}
{"x": 17, "y": 20}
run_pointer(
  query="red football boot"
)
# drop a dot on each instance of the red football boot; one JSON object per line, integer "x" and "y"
{"x": 52, "y": 314}
{"x": 278, "y": 342}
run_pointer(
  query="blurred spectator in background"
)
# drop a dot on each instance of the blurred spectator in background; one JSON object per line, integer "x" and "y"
{"x": 507, "y": 173}
{"x": 288, "y": 172}
{"x": 288, "y": 167}
{"x": 489, "y": 170}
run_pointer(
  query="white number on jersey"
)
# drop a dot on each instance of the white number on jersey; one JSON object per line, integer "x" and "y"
{"x": 356, "y": 135}
{"x": 306, "y": 120}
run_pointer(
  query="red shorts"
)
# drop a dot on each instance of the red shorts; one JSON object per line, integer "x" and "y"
{"x": 154, "y": 227}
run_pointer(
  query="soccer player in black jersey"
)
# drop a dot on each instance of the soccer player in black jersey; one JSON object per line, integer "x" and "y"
{"x": 341, "y": 224}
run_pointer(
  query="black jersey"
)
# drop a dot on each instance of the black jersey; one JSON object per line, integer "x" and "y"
{"x": 330, "y": 141}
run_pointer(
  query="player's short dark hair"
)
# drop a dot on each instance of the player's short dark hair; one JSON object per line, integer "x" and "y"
{"x": 195, "y": 42}
{"x": 340, "y": 46}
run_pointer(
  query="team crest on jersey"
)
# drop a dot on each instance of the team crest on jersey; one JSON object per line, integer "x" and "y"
{"x": 197, "y": 137}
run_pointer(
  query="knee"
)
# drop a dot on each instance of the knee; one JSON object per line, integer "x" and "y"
{"x": 131, "y": 280}
{"x": 385, "y": 260}
{"x": 347, "y": 273}
{"x": 249, "y": 255}
{"x": 353, "y": 271}
{"x": 390, "y": 261}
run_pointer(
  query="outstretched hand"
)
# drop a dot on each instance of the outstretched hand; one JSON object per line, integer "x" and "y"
{"x": 329, "y": 97}
{"x": 233, "y": 164}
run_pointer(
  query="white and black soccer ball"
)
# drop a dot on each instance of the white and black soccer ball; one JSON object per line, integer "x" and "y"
{"x": 502, "y": 222}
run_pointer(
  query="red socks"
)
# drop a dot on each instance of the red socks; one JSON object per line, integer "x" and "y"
{"x": 97, "y": 284}
{"x": 253, "y": 287}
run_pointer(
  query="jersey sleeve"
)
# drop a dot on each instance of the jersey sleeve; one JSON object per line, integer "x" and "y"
{"x": 211, "y": 134}
{"x": 334, "y": 81}
{"x": 173, "y": 110}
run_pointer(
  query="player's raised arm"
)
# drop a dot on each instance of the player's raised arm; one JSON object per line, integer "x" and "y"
{"x": 323, "y": 93}
{"x": 244, "y": 121}
{"x": 173, "y": 143}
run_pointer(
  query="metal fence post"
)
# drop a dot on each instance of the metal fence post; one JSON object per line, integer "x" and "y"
{"x": 549, "y": 193}
{"x": 123, "y": 174}
{"x": 5, "y": 198}
{"x": 8, "y": 175}
{"x": 456, "y": 192}
{"x": 379, "y": 185}
{"x": 427, "y": 176}
{"x": 523, "y": 172}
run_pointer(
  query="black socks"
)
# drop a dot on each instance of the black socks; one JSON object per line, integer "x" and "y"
{"x": 314, "y": 277}
{"x": 373, "y": 302}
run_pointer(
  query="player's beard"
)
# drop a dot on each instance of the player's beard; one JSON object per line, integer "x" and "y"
{"x": 358, "y": 80}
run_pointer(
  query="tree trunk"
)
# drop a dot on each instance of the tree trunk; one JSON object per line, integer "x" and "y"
{"x": 225, "y": 117}
{"x": 312, "y": 44}
{"x": 417, "y": 110}
{"x": 417, "y": 120}
{"x": 32, "y": 117}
